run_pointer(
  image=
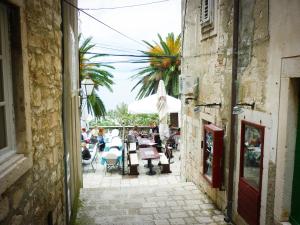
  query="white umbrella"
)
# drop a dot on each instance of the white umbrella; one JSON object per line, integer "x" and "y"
{"x": 148, "y": 105}
{"x": 162, "y": 109}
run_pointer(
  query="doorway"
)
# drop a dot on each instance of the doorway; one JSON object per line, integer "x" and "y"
{"x": 251, "y": 166}
{"x": 295, "y": 216}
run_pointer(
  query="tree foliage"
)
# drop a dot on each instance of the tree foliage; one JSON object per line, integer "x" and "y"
{"x": 97, "y": 72}
{"x": 120, "y": 116}
{"x": 163, "y": 63}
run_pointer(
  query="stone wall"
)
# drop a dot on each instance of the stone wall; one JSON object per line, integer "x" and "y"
{"x": 208, "y": 57}
{"x": 38, "y": 196}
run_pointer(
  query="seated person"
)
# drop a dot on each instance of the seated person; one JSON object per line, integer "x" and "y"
{"x": 93, "y": 138}
{"x": 86, "y": 155}
{"x": 134, "y": 132}
{"x": 116, "y": 142}
{"x": 100, "y": 139}
{"x": 154, "y": 129}
{"x": 173, "y": 139}
{"x": 131, "y": 138}
{"x": 115, "y": 133}
{"x": 84, "y": 135}
{"x": 158, "y": 142}
{"x": 115, "y": 139}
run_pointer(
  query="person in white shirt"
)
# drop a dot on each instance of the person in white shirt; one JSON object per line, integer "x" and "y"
{"x": 84, "y": 135}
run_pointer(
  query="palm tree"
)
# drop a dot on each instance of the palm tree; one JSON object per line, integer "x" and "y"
{"x": 163, "y": 60}
{"x": 97, "y": 72}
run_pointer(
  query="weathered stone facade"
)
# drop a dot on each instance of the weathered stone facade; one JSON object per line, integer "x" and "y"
{"x": 262, "y": 49}
{"x": 207, "y": 57}
{"x": 38, "y": 196}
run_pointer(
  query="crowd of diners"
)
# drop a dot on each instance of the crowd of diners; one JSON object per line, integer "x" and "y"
{"x": 153, "y": 133}
{"x": 96, "y": 136}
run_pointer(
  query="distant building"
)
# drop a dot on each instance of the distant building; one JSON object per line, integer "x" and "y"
{"x": 40, "y": 169}
{"x": 264, "y": 140}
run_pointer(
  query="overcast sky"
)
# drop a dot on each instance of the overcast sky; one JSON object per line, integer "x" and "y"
{"x": 139, "y": 23}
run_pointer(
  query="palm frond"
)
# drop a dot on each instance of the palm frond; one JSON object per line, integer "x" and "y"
{"x": 166, "y": 68}
{"x": 95, "y": 71}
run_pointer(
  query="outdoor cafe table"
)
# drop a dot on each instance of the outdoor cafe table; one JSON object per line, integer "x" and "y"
{"x": 149, "y": 153}
{"x": 145, "y": 142}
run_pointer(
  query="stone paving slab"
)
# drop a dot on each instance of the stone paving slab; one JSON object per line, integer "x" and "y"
{"x": 112, "y": 199}
{"x": 113, "y": 178}
{"x": 143, "y": 205}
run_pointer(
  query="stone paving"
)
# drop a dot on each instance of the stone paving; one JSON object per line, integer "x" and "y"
{"x": 114, "y": 178}
{"x": 161, "y": 199}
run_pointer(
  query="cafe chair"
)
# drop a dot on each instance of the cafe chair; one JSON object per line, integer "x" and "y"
{"x": 111, "y": 161}
{"x": 90, "y": 161}
{"x": 132, "y": 148}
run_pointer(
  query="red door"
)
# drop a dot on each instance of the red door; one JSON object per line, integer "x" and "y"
{"x": 251, "y": 166}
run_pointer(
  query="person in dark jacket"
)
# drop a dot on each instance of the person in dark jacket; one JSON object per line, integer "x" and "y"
{"x": 158, "y": 142}
{"x": 154, "y": 128}
{"x": 86, "y": 155}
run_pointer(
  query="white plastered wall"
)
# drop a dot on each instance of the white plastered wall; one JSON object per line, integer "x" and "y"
{"x": 288, "y": 112}
{"x": 283, "y": 69}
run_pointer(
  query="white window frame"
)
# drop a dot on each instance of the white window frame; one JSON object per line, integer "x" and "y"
{"x": 10, "y": 149}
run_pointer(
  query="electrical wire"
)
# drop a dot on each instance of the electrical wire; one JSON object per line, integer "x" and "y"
{"x": 126, "y": 6}
{"x": 114, "y": 46}
{"x": 112, "y": 62}
{"x": 99, "y": 21}
{"x": 137, "y": 56}
{"x": 114, "y": 49}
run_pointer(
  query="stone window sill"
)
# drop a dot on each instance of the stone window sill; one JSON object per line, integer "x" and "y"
{"x": 11, "y": 170}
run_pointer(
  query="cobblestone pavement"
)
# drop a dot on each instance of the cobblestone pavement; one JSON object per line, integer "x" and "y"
{"x": 162, "y": 199}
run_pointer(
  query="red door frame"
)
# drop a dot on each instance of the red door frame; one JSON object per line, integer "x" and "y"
{"x": 218, "y": 135}
{"x": 249, "y": 197}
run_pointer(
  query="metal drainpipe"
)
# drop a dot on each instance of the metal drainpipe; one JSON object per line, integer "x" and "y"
{"x": 63, "y": 114}
{"x": 228, "y": 217}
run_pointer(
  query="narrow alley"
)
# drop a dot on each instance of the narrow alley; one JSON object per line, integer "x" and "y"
{"x": 162, "y": 112}
{"x": 160, "y": 200}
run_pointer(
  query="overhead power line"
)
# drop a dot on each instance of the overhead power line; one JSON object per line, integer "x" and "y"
{"x": 125, "y": 6}
{"x": 123, "y": 61}
{"x": 99, "y": 21}
{"x": 114, "y": 49}
{"x": 115, "y": 46}
{"x": 129, "y": 55}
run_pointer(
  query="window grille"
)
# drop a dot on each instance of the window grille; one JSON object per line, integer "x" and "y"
{"x": 206, "y": 12}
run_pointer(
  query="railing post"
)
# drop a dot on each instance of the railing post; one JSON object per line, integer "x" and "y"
{"x": 123, "y": 151}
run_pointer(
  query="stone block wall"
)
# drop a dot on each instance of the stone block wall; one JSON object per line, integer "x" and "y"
{"x": 208, "y": 57}
{"x": 38, "y": 196}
